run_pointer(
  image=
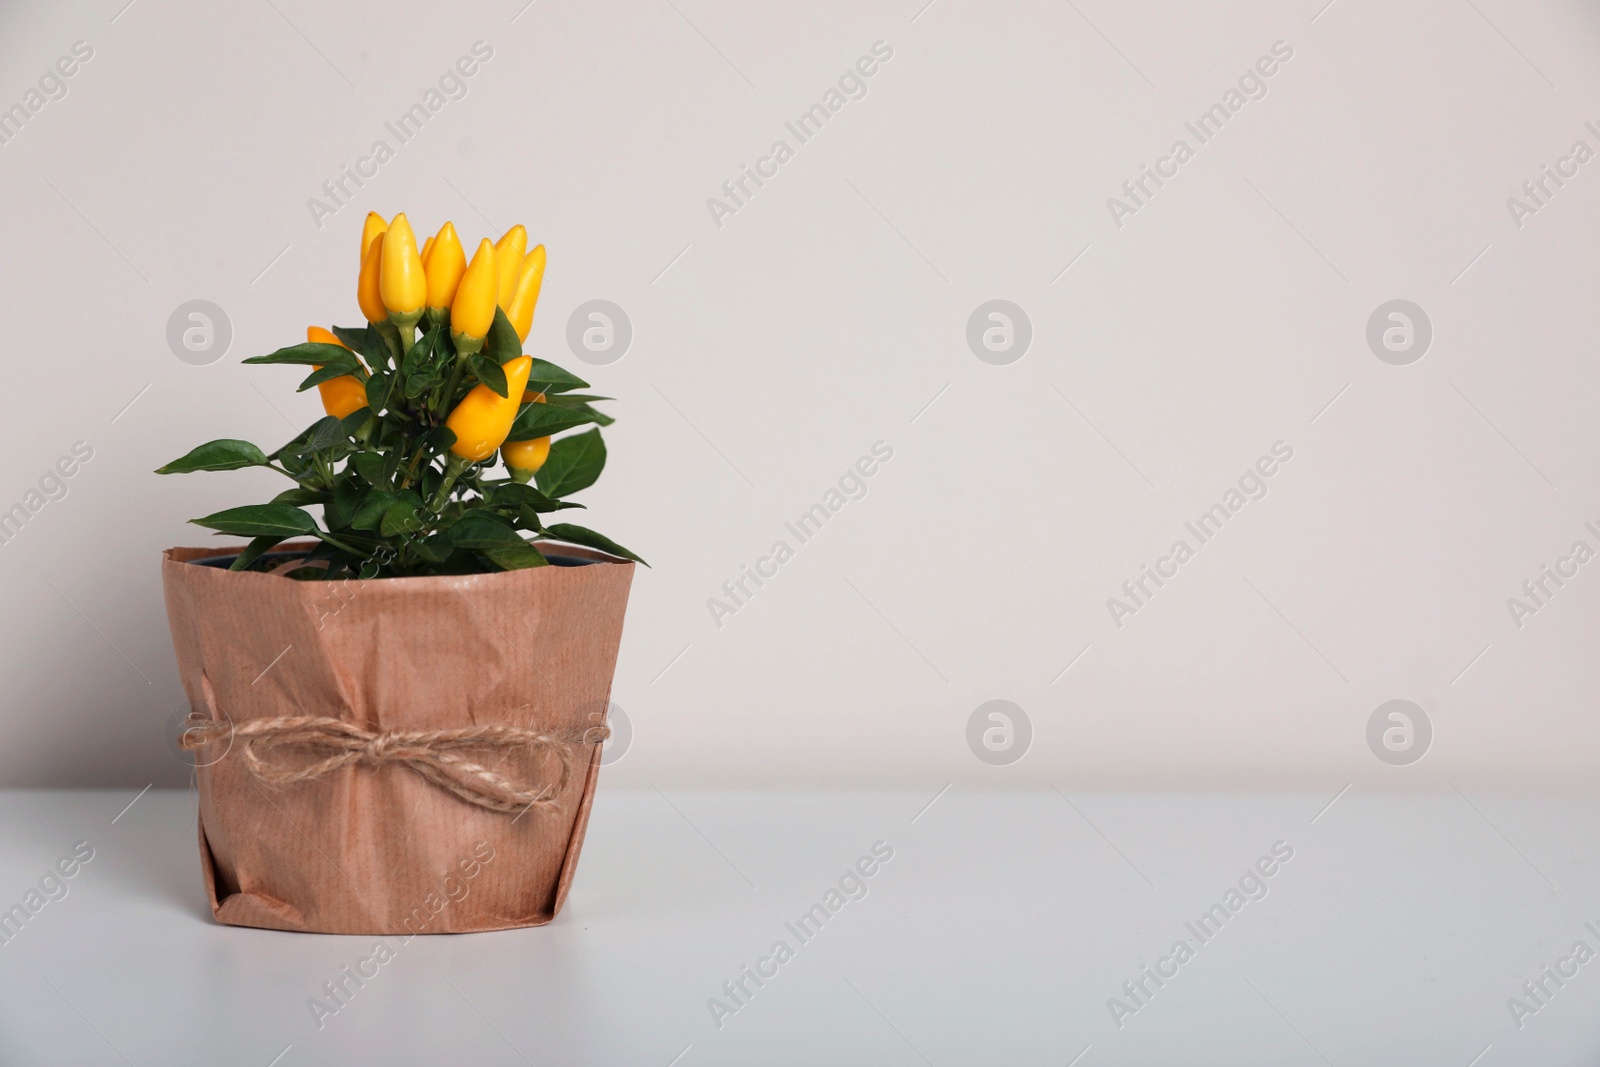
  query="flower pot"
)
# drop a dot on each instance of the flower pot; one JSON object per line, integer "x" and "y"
{"x": 370, "y": 743}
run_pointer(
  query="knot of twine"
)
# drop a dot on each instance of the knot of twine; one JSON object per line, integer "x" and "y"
{"x": 335, "y": 743}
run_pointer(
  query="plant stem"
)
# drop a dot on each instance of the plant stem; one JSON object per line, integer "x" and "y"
{"x": 336, "y": 543}
{"x": 391, "y": 338}
{"x": 452, "y": 470}
{"x": 451, "y": 384}
{"x": 411, "y": 469}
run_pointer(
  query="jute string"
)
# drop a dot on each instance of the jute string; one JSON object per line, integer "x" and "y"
{"x": 333, "y": 744}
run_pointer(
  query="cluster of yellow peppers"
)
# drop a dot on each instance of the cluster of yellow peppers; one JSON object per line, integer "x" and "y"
{"x": 400, "y": 285}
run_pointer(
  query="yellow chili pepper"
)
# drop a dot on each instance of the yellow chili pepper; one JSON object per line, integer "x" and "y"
{"x": 341, "y": 395}
{"x": 524, "y": 458}
{"x": 472, "y": 311}
{"x": 427, "y": 246}
{"x": 508, "y": 253}
{"x": 367, "y": 288}
{"x": 444, "y": 268}
{"x": 483, "y": 418}
{"x": 401, "y": 281}
{"x": 371, "y": 230}
{"x": 529, "y": 281}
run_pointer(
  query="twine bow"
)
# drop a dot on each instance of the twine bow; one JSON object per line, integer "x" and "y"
{"x": 430, "y": 753}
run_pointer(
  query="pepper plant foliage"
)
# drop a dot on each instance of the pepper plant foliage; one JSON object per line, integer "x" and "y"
{"x": 395, "y": 501}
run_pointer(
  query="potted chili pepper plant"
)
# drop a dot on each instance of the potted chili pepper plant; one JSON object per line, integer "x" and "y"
{"x": 397, "y": 710}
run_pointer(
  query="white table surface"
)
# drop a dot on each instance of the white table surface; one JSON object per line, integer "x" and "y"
{"x": 995, "y": 935}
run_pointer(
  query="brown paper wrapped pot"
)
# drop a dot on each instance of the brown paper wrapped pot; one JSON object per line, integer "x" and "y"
{"x": 379, "y": 849}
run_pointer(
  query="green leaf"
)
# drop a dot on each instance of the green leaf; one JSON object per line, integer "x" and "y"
{"x": 327, "y": 439}
{"x": 353, "y": 422}
{"x": 353, "y": 337}
{"x": 374, "y": 347}
{"x": 348, "y": 493}
{"x": 226, "y": 454}
{"x": 299, "y": 466}
{"x": 491, "y": 374}
{"x": 423, "y": 368}
{"x": 324, "y": 374}
{"x": 515, "y": 494}
{"x": 260, "y": 520}
{"x": 326, "y": 432}
{"x": 486, "y": 533}
{"x": 431, "y": 550}
{"x": 400, "y": 518}
{"x": 426, "y": 343}
{"x": 425, "y": 378}
{"x": 311, "y": 353}
{"x": 519, "y": 556}
{"x": 480, "y": 529}
{"x": 546, "y": 377}
{"x": 294, "y": 444}
{"x": 543, "y": 420}
{"x": 503, "y": 343}
{"x": 392, "y": 462}
{"x": 420, "y": 352}
{"x": 370, "y": 466}
{"x": 370, "y": 513}
{"x": 339, "y": 563}
{"x": 581, "y": 535}
{"x": 301, "y": 496}
{"x": 575, "y": 462}
{"x": 254, "y": 551}
{"x": 380, "y": 387}
{"x": 333, "y": 553}
{"x": 581, "y": 401}
{"x": 440, "y": 438}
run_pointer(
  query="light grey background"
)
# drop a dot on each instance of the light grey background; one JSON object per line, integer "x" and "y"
{"x": 830, "y": 313}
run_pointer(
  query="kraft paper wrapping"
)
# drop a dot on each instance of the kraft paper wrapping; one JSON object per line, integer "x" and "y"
{"x": 380, "y": 850}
